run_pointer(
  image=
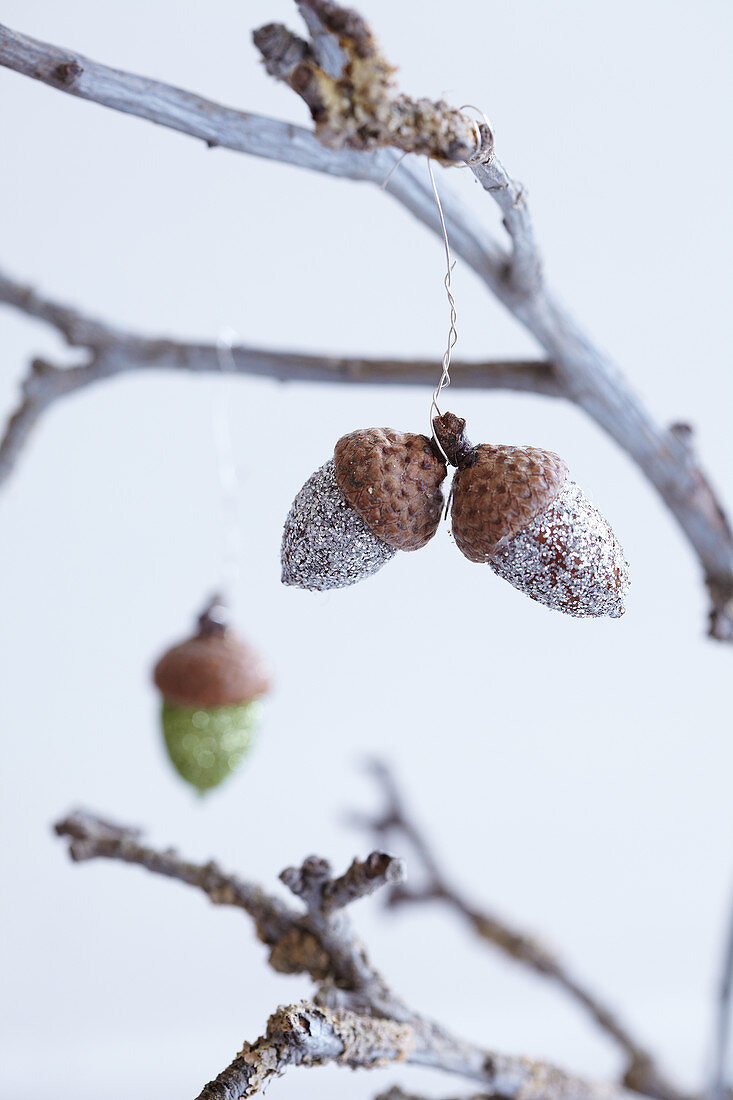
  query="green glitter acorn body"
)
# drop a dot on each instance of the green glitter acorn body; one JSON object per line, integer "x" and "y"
{"x": 210, "y": 684}
{"x": 206, "y": 745}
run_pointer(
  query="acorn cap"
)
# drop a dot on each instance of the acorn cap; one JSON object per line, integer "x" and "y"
{"x": 500, "y": 493}
{"x": 497, "y": 490}
{"x": 392, "y": 480}
{"x": 214, "y": 668}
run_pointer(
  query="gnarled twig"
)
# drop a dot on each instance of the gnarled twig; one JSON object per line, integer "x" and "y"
{"x": 355, "y": 1018}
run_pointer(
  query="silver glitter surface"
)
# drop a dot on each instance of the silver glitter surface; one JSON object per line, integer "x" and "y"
{"x": 326, "y": 544}
{"x": 568, "y": 558}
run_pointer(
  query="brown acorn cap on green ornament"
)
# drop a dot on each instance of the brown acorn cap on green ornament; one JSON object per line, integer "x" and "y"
{"x": 210, "y": 685}
{"x": 213, "y": 668}
{"x": 517, "y": 510}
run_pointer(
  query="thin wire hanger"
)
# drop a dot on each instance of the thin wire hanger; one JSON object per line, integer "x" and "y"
{"x": 484, "y": 150}
{"x": 444, "y": 380}
{"x": 228, "y": 474}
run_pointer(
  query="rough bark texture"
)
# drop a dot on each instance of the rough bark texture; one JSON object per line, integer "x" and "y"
{"x": 350, "y": 89}
{"x": 341, "y": 43}
{"x": 355, "y": 1019}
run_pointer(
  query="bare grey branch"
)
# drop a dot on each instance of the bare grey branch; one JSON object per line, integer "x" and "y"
{"x": 394, "y": 824}
{"x": 93, "y": 838}
{"x": 306, "y": 1035}
{"x": 319, "y": 942}
{"x": 112, "y": 351}
{"x": 356, "y": 1019}
{"x": 581, "y": 372}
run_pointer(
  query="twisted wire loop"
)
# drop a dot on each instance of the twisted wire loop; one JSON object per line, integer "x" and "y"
{"x": 484, "y": 137}
{"x": 231, "y": 538}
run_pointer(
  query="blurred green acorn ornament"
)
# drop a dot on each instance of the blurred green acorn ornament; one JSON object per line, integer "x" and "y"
{"x": 211, "y": 686}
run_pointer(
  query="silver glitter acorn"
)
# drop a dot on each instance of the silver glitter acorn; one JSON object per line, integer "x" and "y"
{"x": 568, "y": 559}
{"x": 380, "y": 493}
{"x": 326, "y": 544}
{"x": 515, "y": 509}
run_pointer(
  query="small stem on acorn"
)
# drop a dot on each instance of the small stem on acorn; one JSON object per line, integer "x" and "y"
{"x": 214, "y": 619}
{"x": 450, "y": 431}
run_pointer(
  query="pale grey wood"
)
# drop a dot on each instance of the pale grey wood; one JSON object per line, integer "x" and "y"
{"x": 354, "y": 1019}
{"x": 587, "y": 376}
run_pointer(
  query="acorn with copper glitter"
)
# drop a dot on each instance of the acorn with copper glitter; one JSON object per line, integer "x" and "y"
{"x": 211, "y": 685}
{"x": 380, "y": 493}
{"x": 517, "y": 510}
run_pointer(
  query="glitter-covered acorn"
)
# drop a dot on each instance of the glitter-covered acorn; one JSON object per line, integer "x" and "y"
{"x": 517, "y": 510}
{"x": 380, "y": 493}
{"x": 211, "y": 685}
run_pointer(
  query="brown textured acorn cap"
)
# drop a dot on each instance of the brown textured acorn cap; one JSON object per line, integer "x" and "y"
{"x": 497, "y": 490}
{"x": 214, "y": 668}
{"x": 392, "y": 480}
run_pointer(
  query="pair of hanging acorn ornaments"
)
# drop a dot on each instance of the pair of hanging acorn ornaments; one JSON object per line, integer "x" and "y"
{"x": 515, "y": 509}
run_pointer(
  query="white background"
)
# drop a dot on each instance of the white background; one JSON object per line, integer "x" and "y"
{"x": 575, "y": 776}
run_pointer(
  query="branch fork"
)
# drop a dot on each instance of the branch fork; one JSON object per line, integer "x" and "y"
{"x": 355, "y": 1019}
{"x": 340, "y": 72}
{"x": 349, "y": 88}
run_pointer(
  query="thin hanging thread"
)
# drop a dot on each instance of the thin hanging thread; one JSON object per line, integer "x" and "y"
{"x": 452, "y": 331}
{"x": 718, "y": 1089}
{"x": 231, "y": 542}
